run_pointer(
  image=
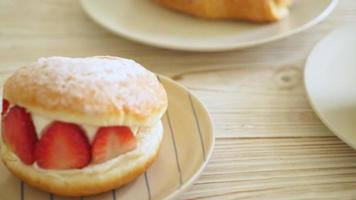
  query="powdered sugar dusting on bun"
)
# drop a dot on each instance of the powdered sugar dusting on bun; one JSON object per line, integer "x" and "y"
{"x": 76, "y": 77}
{"x": 110, "y": 90}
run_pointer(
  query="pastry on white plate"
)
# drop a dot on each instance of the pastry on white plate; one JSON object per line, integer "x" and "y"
{"x": 81, "y": 126}
{"x": 248, "y": 10}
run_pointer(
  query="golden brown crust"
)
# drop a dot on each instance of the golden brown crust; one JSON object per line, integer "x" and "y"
{"x": 100, "y": 91}
{"x": 89, "y": 188}
{"x": 251, "y": 10}
{"x": 120, "y": 172}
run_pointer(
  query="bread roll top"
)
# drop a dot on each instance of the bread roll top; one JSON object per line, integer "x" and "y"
{"x": 100, "y": 91}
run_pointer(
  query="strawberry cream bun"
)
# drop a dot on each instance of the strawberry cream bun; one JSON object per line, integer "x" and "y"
{"x": 81, "y": 126}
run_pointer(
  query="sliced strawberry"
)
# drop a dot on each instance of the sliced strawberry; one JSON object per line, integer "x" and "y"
{"x": 110, "y": 142}
{"x": 63, "y": 146}
{"x": 5, "y": 106}
{"x": 19, "y": 134}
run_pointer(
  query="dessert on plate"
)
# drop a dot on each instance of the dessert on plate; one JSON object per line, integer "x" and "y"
{"x": 248, "y": 10}
{"x": 81, "y": 126}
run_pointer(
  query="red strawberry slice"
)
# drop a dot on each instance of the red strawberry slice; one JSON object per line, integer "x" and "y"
{"x": 110, "y": 142}
{"x": 5, "y": 106}
{"x": 19, "y": 134}
{"x": 63, "y": 146}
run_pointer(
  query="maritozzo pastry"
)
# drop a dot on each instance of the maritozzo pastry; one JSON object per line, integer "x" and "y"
{"x": 249, "y": 10}
{"x": 81, "y": 126}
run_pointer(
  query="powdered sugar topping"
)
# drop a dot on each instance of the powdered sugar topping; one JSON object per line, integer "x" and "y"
{"x": 92, "y": 68}
{"x": 92, "y": 85}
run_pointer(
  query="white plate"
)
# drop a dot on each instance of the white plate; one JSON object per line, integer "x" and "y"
{"x": 186, "y": 148}
{"x": 330, "y": 78}
{"x": 146, "y": 22}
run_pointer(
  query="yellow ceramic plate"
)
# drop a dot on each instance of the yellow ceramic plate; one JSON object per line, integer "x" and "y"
{"x": 187, "y": 146}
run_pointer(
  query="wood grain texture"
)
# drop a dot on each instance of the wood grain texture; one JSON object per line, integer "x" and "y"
{"x": 270, "y": 144}
{"x": 275, "y": 168}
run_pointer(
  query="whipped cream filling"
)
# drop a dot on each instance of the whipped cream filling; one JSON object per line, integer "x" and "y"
{"x": 147, "y": 143}
{"x": 41, "y": 122}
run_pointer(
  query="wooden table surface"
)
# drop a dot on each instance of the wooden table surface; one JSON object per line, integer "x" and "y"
{"x": 269, "y": 145}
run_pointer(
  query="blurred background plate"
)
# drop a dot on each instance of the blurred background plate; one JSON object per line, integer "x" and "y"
{"x": 330, "y": 79}
{"x": 146, "y": 22}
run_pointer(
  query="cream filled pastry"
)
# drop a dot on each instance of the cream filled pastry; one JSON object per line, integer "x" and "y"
{"x": 81, "y": 126}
